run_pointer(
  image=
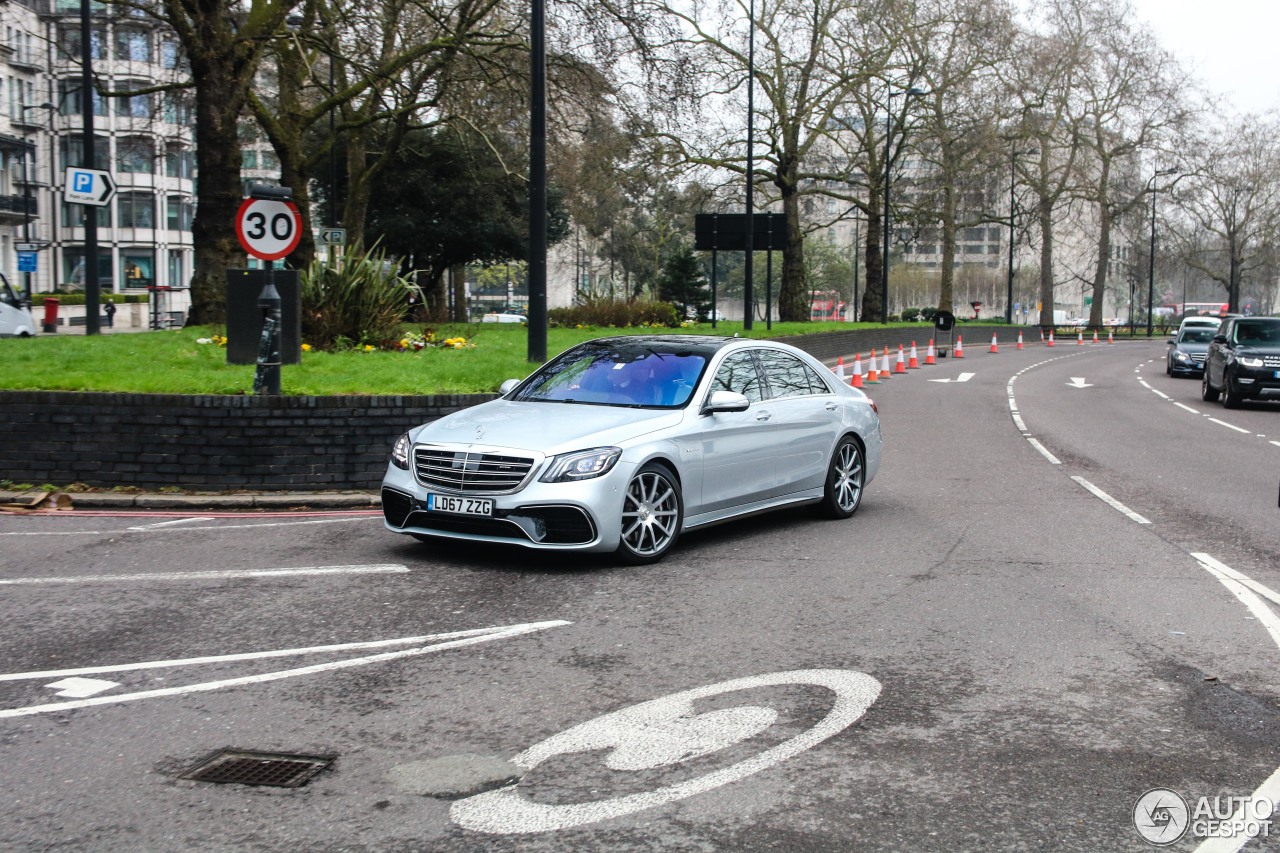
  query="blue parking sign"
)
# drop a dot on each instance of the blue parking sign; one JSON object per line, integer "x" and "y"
{"x": 82, "y": 182}
{"x": 26, "y": 262}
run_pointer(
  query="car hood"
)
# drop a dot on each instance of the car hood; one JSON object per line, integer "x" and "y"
{"x": 1191, "y": 347}
{"x": 545, "y": 427}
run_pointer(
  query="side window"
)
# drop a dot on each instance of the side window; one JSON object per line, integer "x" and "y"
{"x": 789, "y": 376}
{"x": 738, "y": 373}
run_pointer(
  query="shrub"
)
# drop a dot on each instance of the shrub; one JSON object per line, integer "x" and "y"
{"x": 362, "y": 301}
{"x": 78, "y": 298}
{"x": 605, "y": 312}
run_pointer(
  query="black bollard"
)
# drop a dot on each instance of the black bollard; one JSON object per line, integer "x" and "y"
{"x": 266, "y": 379}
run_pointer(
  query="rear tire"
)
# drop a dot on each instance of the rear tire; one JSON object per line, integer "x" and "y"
{"x": 846, "y": 477}
{"x": 1207, "y": 392}
{"x": 652, "y": 515}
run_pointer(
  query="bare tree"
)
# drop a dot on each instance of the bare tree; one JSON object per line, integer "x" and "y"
{"x": 1230, "y": 199}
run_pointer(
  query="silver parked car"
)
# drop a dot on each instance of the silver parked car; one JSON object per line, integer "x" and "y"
{"x": 620, "y": 444}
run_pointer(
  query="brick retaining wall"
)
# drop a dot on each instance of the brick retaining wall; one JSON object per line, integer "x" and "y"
{"x": 218, "y": 443}
{"x": 223, "y": 443}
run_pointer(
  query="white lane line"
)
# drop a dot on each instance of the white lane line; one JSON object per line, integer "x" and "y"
{"x": 274, "y": 653}
{"x": 1243, "y": 588}
{"x": 182, "y": 529}
{"x": 268, "y": 524}
{"x": 1112, "y": 502}
{"x": 1229, "y": 426}
{"x": 1276, "y": 443}
{"x": 56, "y": 533}
{"x": 1022, "y": 427}
{"x": 212, "y": 575}
{"x": 490, "y": 634}
{"x": 1188, "y": 408}
{"x": 171, "y": 523}
{"x": 1044, "y": 451}
{"x": 1161, "y": 394}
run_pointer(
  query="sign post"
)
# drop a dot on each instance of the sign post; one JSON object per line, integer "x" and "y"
{"x": 269, "y": 227}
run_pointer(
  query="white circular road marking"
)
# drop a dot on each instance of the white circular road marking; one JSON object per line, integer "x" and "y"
{"x": 662, "y": 732}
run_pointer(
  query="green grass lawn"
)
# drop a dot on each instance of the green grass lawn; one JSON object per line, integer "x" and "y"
{"x": 172, "y": 362}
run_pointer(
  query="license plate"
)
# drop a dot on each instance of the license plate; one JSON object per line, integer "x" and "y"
{"x": 460, "y": 506}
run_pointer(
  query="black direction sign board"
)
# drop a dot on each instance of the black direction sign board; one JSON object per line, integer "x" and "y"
{"x": 727, "y": 232}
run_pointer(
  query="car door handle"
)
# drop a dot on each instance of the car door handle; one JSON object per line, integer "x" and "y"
{"x": 831, "y": 407}
{"x": 763, "y": 416}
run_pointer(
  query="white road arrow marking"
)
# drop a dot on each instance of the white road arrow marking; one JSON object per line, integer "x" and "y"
{"x": 963, "y": 377}
{"x": 1078, "y": 382}
{"x": 79, "y": 688}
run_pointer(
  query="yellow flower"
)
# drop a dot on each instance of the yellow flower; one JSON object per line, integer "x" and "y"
{"x": 306, "y": 347}
{"x": 368, "y": 347}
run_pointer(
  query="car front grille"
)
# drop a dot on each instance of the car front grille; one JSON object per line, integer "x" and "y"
{"x": 1198, "y": 357}
{"x": 1271, "y": 361}
{"x": 469, "y": 472}
{"x": 547, "y": 525}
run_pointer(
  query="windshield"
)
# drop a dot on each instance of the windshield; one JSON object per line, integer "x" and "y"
{"x": 1197, "y": 335}
{"x": 1258, "y": 332}
{"x": 618, "y": 375}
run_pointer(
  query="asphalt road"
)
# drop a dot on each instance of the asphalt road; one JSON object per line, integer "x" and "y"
{"x": 1006, "y": 647}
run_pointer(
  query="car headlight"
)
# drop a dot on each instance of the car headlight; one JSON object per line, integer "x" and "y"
{"x": 1250, "y": 361}
{"x": 400, "y": 452}
{"x": 581, "y": 465}
{"x": 1180, "y": 356}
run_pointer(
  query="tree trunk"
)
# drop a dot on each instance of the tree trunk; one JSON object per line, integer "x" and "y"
{"x": 874, "y": 260}
{"x": 218, "y": 104}
{"x": 793, "y": 295}
{"x": 1045, "y": 213}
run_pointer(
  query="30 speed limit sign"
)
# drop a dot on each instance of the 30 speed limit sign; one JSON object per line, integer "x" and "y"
{"x": 268, "y": 229}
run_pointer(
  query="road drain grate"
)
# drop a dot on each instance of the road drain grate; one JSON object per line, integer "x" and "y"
{"x": 239, "y": 767}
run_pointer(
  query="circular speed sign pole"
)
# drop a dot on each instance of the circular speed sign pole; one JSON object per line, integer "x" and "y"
{"x": 269, "y": 227}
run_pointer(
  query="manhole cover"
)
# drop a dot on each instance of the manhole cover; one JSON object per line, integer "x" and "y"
{"x": 240, "y": 767}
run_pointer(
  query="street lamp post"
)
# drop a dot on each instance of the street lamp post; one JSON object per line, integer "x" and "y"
{"x": 1013, "y": 177}
{"x": 1151, "y": 267}
{"x": 748, "y": 270}
{"x": 888, "y": 136}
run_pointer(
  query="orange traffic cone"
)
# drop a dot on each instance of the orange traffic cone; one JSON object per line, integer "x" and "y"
{"x": 959, "y": 347}
{"x": 912, "y": 361}
{"x": 873, "y": 377}
{"x": 1080, "y": 339}
{"x": 929, "y": 357}
{"x": 839, "y": 368}
{"x": 856, "y": 379}
{"x": 994, "y": 348}
{"x": 1050, "y": 338}
{"x": 901, "y": 366}
{"x": 1019, "y": 339}
{"x": 884, "y": 365}
{"x": 1095, "y": 336}
{"x": 1110, "y": 338}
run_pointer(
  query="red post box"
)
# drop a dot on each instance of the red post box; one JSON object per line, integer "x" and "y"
{"x": 51, "y": 313}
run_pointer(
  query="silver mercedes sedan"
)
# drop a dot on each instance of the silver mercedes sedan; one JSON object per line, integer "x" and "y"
{"x": 621, "y": 444}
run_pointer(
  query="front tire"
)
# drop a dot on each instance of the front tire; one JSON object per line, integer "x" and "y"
{"x": 1230, "y": 399}
{"x": 846, "y": 476}
{"x": 652, "y": 514}
{"x": 1207, "y": 392}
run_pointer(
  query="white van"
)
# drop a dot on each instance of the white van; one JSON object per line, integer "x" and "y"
{"x": 15, "y": 316}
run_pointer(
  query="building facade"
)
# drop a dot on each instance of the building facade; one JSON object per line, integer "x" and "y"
{"x": 144, "y": 139}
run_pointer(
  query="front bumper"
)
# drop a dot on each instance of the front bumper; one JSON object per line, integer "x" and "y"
{"x": 1255, "y": 382}
{"x": 581, "y": 516}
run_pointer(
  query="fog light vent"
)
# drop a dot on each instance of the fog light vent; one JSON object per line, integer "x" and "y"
{"x": 238, "y": 767}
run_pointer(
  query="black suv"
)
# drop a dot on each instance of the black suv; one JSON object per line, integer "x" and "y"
{"x": 1243, "y": 361}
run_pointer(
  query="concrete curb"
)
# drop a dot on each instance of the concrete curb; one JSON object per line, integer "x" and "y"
{"x": 248, "y": 500}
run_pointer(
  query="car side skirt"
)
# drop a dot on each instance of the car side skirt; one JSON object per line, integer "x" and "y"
{"x": 708, "y": 519}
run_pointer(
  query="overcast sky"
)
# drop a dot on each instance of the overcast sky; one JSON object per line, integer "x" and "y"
{"x": 1229, "y": 44}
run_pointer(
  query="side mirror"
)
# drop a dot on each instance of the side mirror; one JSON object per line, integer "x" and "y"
{"x": 725, "y": 401}
{"x": 507, "y": 387}
{"x": 1172, "y": 341}
{"x": 1219, "y": 339}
